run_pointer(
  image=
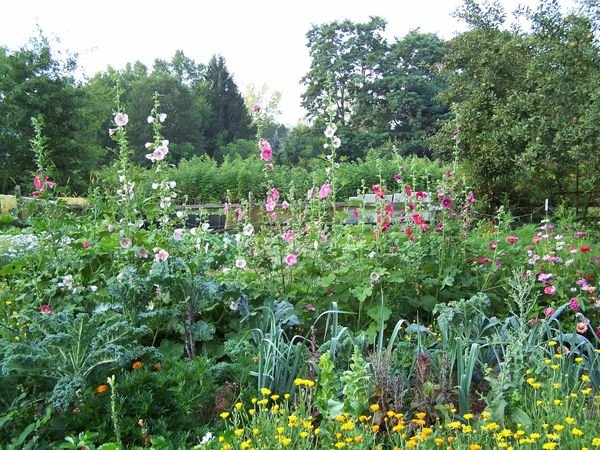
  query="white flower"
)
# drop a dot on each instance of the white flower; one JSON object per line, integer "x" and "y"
{"x": 121, "y": 119}
{"x": 172, "y": 184}
{"x": 150, "y": 306}
{"x": 180, "y": 214}
{"x": 150, "y": 119}
{"x": 154, "y": 186}
{"x": 372, "y": 255}
{"x": 148, "y": 145}
{"x": 93, "y": 288}
{"x": 206, "y": 438}
{"x": 233, "y": 306}
{"x": 248, "y": 229}
{"x": 162, "y": 117}
{"x": 240, "y": 263}
{"x": 330, "y": 130}
{"x": 336, "y": 142}
{"x": 178, "y": 234}
{"x": 121, "y": 178}
{"x": 205, "y": 226}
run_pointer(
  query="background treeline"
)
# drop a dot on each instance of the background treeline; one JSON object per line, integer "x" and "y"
{"x": 515, "y": 105}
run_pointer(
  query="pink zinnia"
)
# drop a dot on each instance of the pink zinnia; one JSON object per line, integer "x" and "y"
{"x": 492, "y": 245}
{"x": 579, "y": 234}
{"x": 86, "y": 244}
{"x": 45, "y": 310}
{"x": 288, "y": 236}
{"x": 581, "y": 327}
{"x": 291, "y": 259}
{"x": 512, "y": 239}
{"x": 325, "y": 190}
{"x": 548, "y": 311}
{"x": 550, "y": 290}
{"x": 574, "y": 304}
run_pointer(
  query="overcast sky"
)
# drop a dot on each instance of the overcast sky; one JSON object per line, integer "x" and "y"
{"x": 263, "y": 41}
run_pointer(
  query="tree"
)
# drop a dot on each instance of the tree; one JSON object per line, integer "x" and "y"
{"x": 229, "y": 119}
{"x": 33, "y": 83}
{"x": 524, "y": 102}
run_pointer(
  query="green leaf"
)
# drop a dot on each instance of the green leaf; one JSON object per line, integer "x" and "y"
{"x": 374, "y": 312}
{"x": 170, "y": 350}
{"x": 517, "y": 415}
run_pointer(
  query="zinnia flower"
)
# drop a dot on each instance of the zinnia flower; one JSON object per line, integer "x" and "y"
{"x": 136, "y": 365}
{"x": 512, "y": 239}
{"x": 45, "y": 310}
{"x": 550, "y": 290}
{"x": 581, "y": 327}
{"x": 291, "y": 259}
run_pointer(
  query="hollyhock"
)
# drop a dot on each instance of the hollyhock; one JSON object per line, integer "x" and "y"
{"x": 112, "y": 131}
{"x": 248, "y": 230}
{"x": 325, "y": 191}
{"x": 309, "y": 307}
{"x": 266, "y": 153}
{"x": 86, "y": 244}
{"x": 121, "y": 119}
{"x": 285, "y": 205}
{"x": 150, "y": 119}
{"x": 239, "y": 212}
{"x": 336, "y": 142}
{"x": 397, "y": 177}
{"x": 446, "y": 202}
{"x": 374, "y": 277}
{"x": 470, "y": 197}
{"x": 142, "y": 253}
{"x": 378, "y": 191}
{"x": 354, "y": 212}
{"x": 37, "y": 182}
{"x": 420, "y": 195}
{"x": 178, "y": 234}
{"x": 125, "y": 242}
{"x": 408, "y": 190}
{"x": 161, "y": 255}
{"x": 291, "y": 259}
{"x": 417, "y": 219}
{"x": 275, "y": 194}
{"x": 162, "y": 117}
{"x": 256, "y": 107}
{"x": 482, "y": 260}
{"x": 240, "y": 263}
{"x": 330, "y": 131}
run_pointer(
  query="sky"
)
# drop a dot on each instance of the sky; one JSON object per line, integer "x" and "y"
{"x": 263, "y": 41}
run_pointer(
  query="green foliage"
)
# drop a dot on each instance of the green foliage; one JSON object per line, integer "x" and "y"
{"x": 64, "y": 351}
{"x": 355, "y": 382}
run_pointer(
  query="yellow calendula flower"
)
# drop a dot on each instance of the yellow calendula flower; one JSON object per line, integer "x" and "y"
{"x": 421, "y": 415}
{"x": 374, "y": 407}
{"x": 570, "y": 420}
{"x": 454, "y": 425}
{"x": 224, "y": 415}
{"x": 375, "y": 428}
{"x": 303, "y": 434}
{"x": 554, "y": 366}
{"x": 438, "y": 441}
{"x": 558, "y": 427}
{"x": 275, "y": 397}
{"x": 585, "y": 378}
{"x": 286, "y": 441}
{"x": 556, "y": 385}
{"x": 577, "y": 432}
{"x": 358, "y": 439}
{"x": 239, "y": 431}
{"x": 251, "y": 411}
{"x": 579, "y": 359}
{"x": 549, "y": 445}
{"x": 586, "y": 391}
{"x": 485, "y": 415}
{"x": 552, "y": 343}
{"x": 596, "y": 441}
{"x": 255, "y": 431}
{"x": 340, "y": 445}
{"x": 468, "y": 416}
{"x": 245, "y": 445}
{"x": 265, "y": 391}
{"x": 238, "y": 405}
{"x": 280, "y": 430}
{"x": 474, "y": 447}
{"x": 466, "y": 429}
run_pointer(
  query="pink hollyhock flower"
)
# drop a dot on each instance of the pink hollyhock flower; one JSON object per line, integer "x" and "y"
{"x": 420, "y": 195}
{"x": 266, "y": 153}
{"x": 225, "y": 208}
{"x": 446, "y": 202}
{"x": 256, "y": 107}
{"x": 86, "y": 244}
{"x": 389, "y": 209}
{"x": 330, "y": 130}
{"x": 550, "y": 290}
{"x": 291, "y": 259}
{"x": 285, "y": 205}
{"x": 112, "y": 131}
{"x": 378, "y": 191}
{"x": 408, "y": 231}
{"x": 142, "y": 253}
{"x": 548, "y": 311}
{"x": 51, "y": 184}
{"x": 178, "y": 234}
{"x": 537, "y": 239}
{"x": 35, "y": 194}
{"x": 533, "y": 321}
{"x": 121, "y": 119}
{"x": 336, "y": 142}
{"x": 512, "y": 239}
{"x": 323, "y": 237}
{"x": 397, "y": 177}
{"x": 574, "y": 304}
{"x": 275, "y": 194}
{"x": 125, "y": 242}
{"x": 45, "y": 310}
{"x": 354, "y": 212}
{"x": 239, "y": 212}
{"x": 271, "y": 204}
{"x": 448, "y": 174}
{"x": 374, "y": 277}
{"x": 581, "y": 327}
{"x": 325, "y": 191}
{"x": 408, "y": 190}
{"x": 161, "y": 255}
{"x": 37, "y": 182}
{"x": 269, "y": 166}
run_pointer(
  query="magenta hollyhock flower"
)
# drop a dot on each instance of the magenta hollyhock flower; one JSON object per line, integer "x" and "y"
{"x": 291, "y": 259}
{"x": 446, "y": 202}
{"x": 35, "y": 194}
{"x": 378, "y": 191}
{"x": 550, "y": 290}
{"x": 37, "y": 182}
{"x": 121, "y": 119}
{"x": 309, "y": 307}
{"x": 288, "y": 236}
{"x": 420, "y": 195}
{"x": 325, "y": 191}
{"x": 397, "y": 177}
{"x": 275, "y": 194}
{"x": 417, "y": 219}
{"x": 269, "y": 166}
{"x": 266, "y": 153}
{"x": 512, "y": 239}
{"x": 45, "y": 310}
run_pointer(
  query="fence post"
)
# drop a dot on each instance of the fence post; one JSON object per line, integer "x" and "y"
{"x": 251, "y": 207}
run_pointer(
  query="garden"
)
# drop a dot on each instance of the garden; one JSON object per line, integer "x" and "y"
{"x": 428, "y": 325}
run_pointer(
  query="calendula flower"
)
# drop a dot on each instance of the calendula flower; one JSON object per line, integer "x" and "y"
{"x": 137, "y": 365}
{"x": 102, "y": 388}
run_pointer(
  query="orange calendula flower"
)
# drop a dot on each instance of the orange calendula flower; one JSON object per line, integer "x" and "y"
{"x": 137, "y": 365}
{"x": 102, "y": 388}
